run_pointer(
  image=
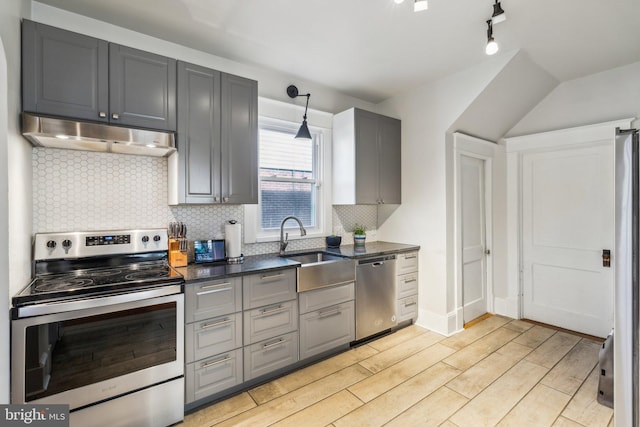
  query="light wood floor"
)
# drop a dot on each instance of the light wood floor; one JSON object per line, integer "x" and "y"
{"x": 498, "y": 372}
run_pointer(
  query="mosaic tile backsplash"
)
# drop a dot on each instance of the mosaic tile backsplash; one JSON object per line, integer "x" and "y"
{"x": 81, "y": 190}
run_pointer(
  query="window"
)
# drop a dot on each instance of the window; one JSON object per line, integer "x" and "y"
{"x": 289, "y": 176}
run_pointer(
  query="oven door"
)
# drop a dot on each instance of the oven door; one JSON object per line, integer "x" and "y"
{"x": 85, "y": 356}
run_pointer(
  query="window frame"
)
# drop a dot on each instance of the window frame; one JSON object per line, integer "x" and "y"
{"x": 322, "y": 164}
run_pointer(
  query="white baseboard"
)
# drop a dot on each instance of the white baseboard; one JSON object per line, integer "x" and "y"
{"x": 506, "y": 307}
{"x": 444, "y": 325}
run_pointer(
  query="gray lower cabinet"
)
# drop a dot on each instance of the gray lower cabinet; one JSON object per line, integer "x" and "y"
{"x": 73, "y": 75}
{"x": 217, "y": 141}
{"x": 407, "y": 287}
{"x": 213, "y": 337}
{"x": 213, "y": 375}
{"x": 270, "y": 287}
{"x": 213, "y": 298}
{"x": 327, "y": 319}
{"x": 270, "y": 305}
{"x": 270, "y": 355}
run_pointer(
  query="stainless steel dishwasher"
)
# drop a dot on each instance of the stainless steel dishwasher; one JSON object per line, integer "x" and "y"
{"x": 375, "y": 295}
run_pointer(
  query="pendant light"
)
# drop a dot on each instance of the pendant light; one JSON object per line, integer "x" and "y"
{"x": 303, "y": 132}
{"x": 492, "y": 46}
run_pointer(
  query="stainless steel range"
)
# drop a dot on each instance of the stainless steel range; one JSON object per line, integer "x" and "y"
{"x": 100, "y": 328}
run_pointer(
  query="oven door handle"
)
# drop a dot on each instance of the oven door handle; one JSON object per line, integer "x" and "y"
{"x": 96, "y": 301}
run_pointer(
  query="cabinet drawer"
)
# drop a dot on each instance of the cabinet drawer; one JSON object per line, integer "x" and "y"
{"x": 213, "y": 375}
{"x": 315, "y": 300}
{"x": 267, "y": 322}
{"x": 269, "y": 288}
{"x": 212, "y": 336}
{"x": 327, "y": 328}
{"x": 270, "y": 355}
{"x": 408, "y": 308}
{"x": 407, "y": 285}
{"x": 407, "y": 262}
{"x": 205, "y": 300}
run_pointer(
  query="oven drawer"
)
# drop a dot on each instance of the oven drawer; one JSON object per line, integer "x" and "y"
{"x": 213, "y": 375}
{"x": 270, "y": 355}
{"x": 407, "y": 285}
{"x": 269, "y": 288}
{"x": 204, "y": 300}
{"x": 267, "y": 322}
{"x": 212, "y": 336}
{"x": 408, "y": 308}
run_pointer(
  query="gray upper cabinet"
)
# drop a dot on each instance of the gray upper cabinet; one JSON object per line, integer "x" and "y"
{"x": 239, "y": 139}
{"x": 198, "y": 137}
{"x": 217, "y": 159}
{"x": 366, "y": 158}
{"x": 142, "y": 88}
{"x": 71, "y": 75}
{"x": 64, "y": 73}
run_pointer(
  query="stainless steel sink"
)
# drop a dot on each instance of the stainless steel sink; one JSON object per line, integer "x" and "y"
{"x": 320, "y": 270}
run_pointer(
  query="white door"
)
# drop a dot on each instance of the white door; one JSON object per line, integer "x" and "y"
{"x": 473, "y": 228}
{"x": 567, "y": 220}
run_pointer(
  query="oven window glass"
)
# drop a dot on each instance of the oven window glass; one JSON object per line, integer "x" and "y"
{"x": 66, "y": 355}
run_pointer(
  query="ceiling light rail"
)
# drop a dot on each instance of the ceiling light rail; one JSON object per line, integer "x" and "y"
{"x": 418, "y": 5}
{"x": 497, "y": 16}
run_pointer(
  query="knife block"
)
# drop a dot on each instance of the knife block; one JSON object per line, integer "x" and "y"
{"x": 177, "y": 258}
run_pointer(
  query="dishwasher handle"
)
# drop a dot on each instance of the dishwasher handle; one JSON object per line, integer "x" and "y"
{"x": 377, "y": 261}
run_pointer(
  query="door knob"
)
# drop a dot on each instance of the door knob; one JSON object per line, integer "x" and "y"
{"x": 487, "y": 251}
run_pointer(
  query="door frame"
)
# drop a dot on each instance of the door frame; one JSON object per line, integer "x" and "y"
{"x": 466, "y": 145}
{"x": 515, "y": 148}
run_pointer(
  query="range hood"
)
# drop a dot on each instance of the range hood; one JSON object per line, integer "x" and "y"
{"x": 69, "y": 134}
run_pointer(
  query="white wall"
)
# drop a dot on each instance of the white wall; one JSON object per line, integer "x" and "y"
{"x": 15, "y": 177}
{"x": 427, "y": 113}
{"x": 597, "y": 98}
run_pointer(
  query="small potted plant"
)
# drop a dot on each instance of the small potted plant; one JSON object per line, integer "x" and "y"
{"x": 359, "y": 234}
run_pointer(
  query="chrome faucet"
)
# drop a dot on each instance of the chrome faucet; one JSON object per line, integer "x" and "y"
{"x": 284, "y": 241}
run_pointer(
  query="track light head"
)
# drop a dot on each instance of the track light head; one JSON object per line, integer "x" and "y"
{"x": 492, "y": 46}
{"x": 498, "y": 13}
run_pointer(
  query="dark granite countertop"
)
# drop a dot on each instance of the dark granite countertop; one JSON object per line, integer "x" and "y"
{"x": 266, "y": 262}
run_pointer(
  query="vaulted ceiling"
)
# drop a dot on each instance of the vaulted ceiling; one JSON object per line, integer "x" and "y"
{"x": 374, "y": 49}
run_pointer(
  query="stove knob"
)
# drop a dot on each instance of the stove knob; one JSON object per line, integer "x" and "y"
{"x": 51, "y": 244}
{"x": 66, "y": 244}
{"x": 145, "y": 239}
{"x": 156, "y": 238}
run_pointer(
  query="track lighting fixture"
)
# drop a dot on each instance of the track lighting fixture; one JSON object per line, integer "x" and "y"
{"x": 492, "y": 45}
{"x": 303, "y": 132}
{"x": 420, "y": 5}
{"x": 498, "y": 13}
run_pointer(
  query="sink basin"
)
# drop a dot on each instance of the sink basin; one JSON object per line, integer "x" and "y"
{"x": 313, "y": 258}
{"x": 320, "y": 270}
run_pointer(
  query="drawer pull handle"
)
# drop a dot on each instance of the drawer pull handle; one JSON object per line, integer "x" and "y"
{"x": 273, "y": 310}
{"x": 214, "y": 324}
{"x": 214, "y": 286}
{"x": 274, "y": 344}
{"x": 409, "y": 303}
{"x": 410, "y": 280}
{"x": 411, "y": 257}
{"x": 272, "y": 276}
{"x": 215, "y": 362}
{"x": 330, "y": 312}
{"x": 213, "y": 291}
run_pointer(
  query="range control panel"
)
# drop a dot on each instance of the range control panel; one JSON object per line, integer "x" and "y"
{"x": 80, "y": 244}
{"x": 112, "y": 239}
